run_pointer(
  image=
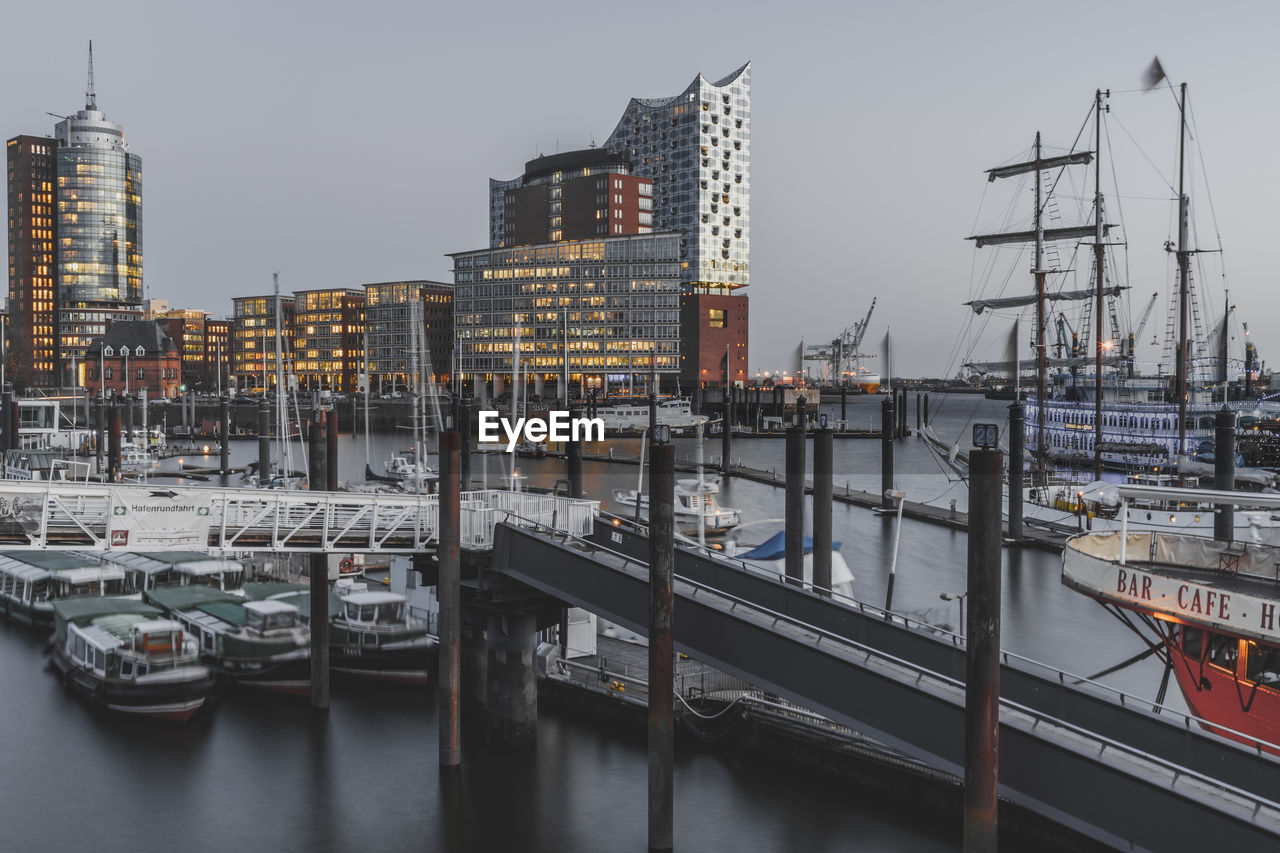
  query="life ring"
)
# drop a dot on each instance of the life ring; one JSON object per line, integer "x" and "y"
{"x": 346, "y": 566}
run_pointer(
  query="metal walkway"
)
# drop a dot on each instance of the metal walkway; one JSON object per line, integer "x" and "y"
{"x": 1092, "y": 761}
{"x": 93, "y": 517}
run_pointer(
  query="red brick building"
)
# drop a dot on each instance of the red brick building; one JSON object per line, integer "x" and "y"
{"x": 131, "y": 356}
{"x": 710, "y": 323}
{"x": 575, "y": 196}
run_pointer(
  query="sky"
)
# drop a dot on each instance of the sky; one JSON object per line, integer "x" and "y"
{"x": 345, "y": 143}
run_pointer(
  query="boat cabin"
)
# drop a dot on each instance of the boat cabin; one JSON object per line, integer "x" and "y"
{"x": 269, "y": 615}
{"x": 87, "y": 580}
{"x": 149, "y": 571}
{"x": 373, "y": 609}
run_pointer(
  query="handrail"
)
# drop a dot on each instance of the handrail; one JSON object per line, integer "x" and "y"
{"x": 869, "y": 652}
{"x": 1061, "y": 675}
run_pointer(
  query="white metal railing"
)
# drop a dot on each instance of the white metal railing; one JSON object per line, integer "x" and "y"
{"x": 38, "y": 515}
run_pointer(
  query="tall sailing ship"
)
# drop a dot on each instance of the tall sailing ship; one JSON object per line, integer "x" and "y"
{"x": 1093, "y": 409}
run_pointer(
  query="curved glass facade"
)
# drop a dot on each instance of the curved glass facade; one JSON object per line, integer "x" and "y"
{"x": 99, "y": 213}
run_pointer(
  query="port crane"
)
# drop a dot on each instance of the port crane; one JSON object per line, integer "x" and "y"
{"x": 841, "y": 356}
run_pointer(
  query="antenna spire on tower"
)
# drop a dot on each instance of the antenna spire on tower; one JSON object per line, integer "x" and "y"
{"x": 90, "y": 96}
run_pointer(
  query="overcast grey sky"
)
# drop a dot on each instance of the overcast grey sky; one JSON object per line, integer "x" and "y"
{"x": 349, "y": 143}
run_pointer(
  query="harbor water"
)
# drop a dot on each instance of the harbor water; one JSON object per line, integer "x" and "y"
{"x": 263, "y": 773}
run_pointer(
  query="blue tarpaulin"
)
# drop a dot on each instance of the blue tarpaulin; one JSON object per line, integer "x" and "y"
{"x": 775, "y": 548}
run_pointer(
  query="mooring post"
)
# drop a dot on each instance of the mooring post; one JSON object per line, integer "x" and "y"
{"x": 264, "y": 447}
{"x": 902, "y": 414}
{"x": 463, "y": 426}
{"x": 317, "y": 465}
{"x": 726, "y": 431}
{"x": 982, "y": 656}
{"x": 331, "y": 436}
{"x": 185, "y": 402}
{"x": 8, "y": 439}
{"x": 844, "y": 407}
{"x": 662, "y": 484}
{"x": 449, "y": 594}
{"x": 1016, "y": 477}
{"x": 128, "y": 413}
{"x": 918, "y": 412}
{"x": 794, "y": 498}
{"x": 113, "y": 447}
{"x": 822, "y": 489}
{"x": 886, "y": 451}
{"x": 224, "y": 434}
{"x": 573, "y": 453}
{"x": 1224, "y": 471}
{"x": 926, "y": 409}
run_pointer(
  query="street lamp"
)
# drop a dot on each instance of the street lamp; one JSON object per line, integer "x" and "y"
{"x": 956, "y": 596}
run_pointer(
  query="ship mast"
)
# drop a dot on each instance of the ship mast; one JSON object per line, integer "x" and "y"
{"x": 1039, "y": 273}
{"x": 1098, "y": 258}
{"x": 1184, "y": 257}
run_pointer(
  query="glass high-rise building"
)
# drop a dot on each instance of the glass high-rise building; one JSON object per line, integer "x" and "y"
{"x": 99, "y": 225}
{"x": 696, "y": 146}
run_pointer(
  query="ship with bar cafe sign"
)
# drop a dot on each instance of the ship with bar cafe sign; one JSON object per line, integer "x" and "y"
{"x": 1209, "y": 609}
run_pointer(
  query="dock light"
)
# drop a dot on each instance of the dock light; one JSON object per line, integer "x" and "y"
{"x": 206, "y": 450}
{"x": 617, "y": 522}
{"x": 179, "y": 461}
{"x": 1172, "y": 519}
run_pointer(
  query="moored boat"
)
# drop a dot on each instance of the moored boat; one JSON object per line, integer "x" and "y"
{"x": 258, "y": 644}
{"x": 1207, "y": 608}
{"x": 371, "y": 635}
{"x": 693, "y": 500}
{"x": 147, "y": 571}
{"x": 30, "y": 581}
{"x": 120, "y": 654}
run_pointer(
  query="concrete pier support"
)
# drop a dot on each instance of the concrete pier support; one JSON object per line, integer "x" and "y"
{"x": 886, "y": 452}
{"x": 1016, "y": 477}
{"x": 661, "y": 724}
{"x": 511, "y": 700}
{"x": 473, "y": 656}
{"x": 264, "y": 445}
{"x": 317, "y": 462}
{"x": 982, "y": 658}
{"x": 794, "y": 499}
{"x": 449, "y": 594}
{"x": 1224, "y": 471}
{"x": 823, "y": 451}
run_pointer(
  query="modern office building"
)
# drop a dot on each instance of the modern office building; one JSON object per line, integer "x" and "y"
{"x": 389, "y": 331}
{"x": 204, "y": 345}
{"x": 81, "y": 194}
{"x": 254, "y": 330}
{"x": 33, "y": 247}
{"x": 689, "y": 156}
{"x": 611, "y": 304}
{"x": 328, "y": 338}
{"x": 573, "y": 196}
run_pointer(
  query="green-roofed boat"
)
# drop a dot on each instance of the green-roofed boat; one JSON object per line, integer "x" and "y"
{"x": 30, "y": 581}
{"x": 259, "y": 644}
{"x": 370, "y": 634}
{"x": 122, "y": 655}
{"x": 146, "y": 571}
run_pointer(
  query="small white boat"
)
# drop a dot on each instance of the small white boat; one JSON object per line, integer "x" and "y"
{"x": 677, "y": 414}
{"x": 692, "y": 499}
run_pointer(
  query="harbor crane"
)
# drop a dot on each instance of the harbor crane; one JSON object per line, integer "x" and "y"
{"x": 1142, "y": 324}
{"x": 841, "y": 355}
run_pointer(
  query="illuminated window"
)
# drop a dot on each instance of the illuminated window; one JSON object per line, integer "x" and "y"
{"x": 716, "y": 318}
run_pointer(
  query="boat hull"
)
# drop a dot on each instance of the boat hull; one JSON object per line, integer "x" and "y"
{"x": 1215, "y": 694}
{"x": 173, "y": 701}
{"x": 291, "y": 676}
{"x": 411, "y": 665}
{"x": 25, "y": 614}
